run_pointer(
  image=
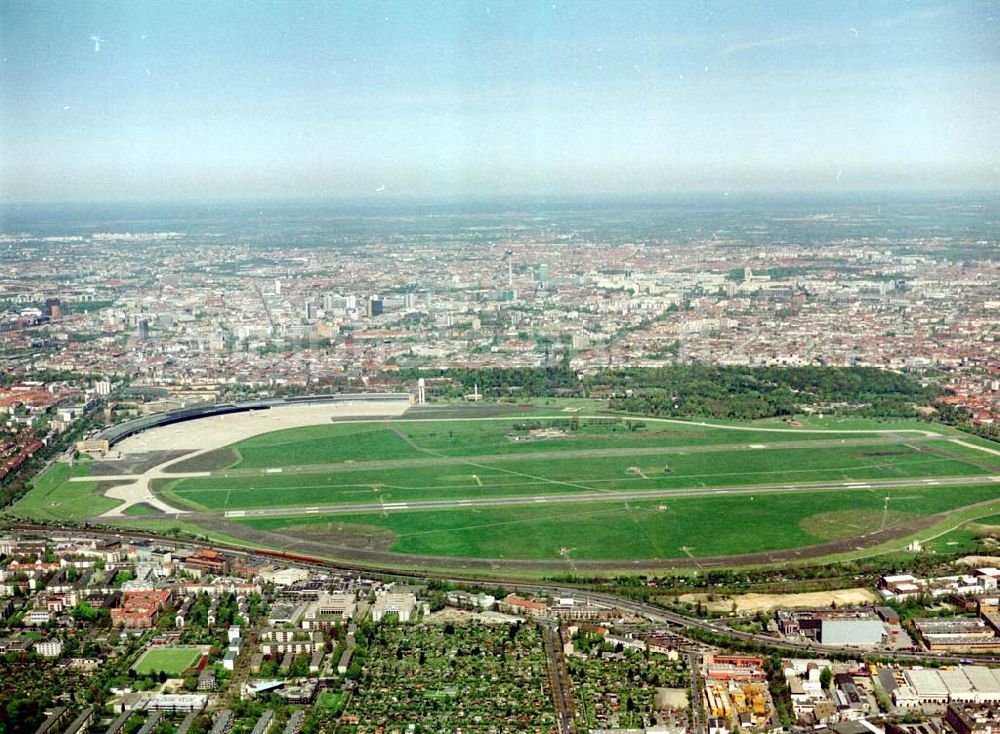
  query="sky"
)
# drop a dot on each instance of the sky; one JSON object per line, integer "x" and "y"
{"x": 189, "y": 100}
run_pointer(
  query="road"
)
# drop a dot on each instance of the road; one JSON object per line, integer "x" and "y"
{"x": 562, "y": 689}
{"x": 697, "y": 707}
{"x": 659, "y": 615}
{"x": 651, "y": 612}
{"x": 608, "y": 496}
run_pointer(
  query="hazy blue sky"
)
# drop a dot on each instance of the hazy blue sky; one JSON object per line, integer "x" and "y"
{"x": 334, "y": 98}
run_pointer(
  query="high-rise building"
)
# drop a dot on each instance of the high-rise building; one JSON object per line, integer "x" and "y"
{"x": 53, "y": 307}
{"x": 144, "y": 329}
{"x": 277, "y": 287}
{"x": 311, "y": 311}
{"x": 374, "y": 306}
{"x": 543, "y": 273}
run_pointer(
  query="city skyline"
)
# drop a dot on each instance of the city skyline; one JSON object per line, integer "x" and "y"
{"x": 158, "y": 101}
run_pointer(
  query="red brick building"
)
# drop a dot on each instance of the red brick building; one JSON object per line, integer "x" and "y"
{"x": 139, "y": 609}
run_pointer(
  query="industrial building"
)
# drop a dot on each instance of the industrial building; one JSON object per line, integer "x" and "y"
{"x": 972, "y": 684}
{"x": 858, "y": 628}
{"x": 957, "y": 634}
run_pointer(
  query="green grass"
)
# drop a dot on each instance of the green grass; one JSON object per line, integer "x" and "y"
{"x": 172, "y": 526}
{"x": 983, "y": 458}
{"x": 53, "y": 497}
{"x": 324, "y": 444}
{"x": 331, "y": 700}
{"x": 634, "y": 530}
{"x": 529, "y": 476}
{"x": 173, "y": 660}
{"x": 962, "y": 540}
{"x": 140, "y": 509}
{"x": 366, "y": 441}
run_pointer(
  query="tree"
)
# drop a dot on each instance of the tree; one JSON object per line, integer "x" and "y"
{"x": 825, "y": 678}
{"x": 83, "y": 612}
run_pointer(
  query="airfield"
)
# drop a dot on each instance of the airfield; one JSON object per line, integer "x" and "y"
{"x": 544, "y": 487}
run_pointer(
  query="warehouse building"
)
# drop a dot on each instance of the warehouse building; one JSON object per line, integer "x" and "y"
{"x": 957, "y": 634}
{"x": 842, "y": 627}
{"x": 973, "y": 684}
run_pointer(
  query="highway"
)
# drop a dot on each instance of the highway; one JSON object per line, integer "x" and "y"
{"x": 659, "y": 615}
{"x": 607, "y": 496}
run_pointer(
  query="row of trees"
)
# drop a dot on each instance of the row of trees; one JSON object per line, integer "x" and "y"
{"x": 503, "y": 382}
{"x": 703, "y": 390}
{"x": 762, "y": 392}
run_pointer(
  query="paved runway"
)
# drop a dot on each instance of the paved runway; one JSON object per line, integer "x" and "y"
{"x": 435, "y": 458}
{"x": 608, "y": 496}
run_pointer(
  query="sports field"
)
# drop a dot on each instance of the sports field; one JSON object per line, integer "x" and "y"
{"x": 172, "y": 660}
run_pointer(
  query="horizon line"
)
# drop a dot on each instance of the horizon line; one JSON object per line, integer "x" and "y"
{"x": 412, "y": 197}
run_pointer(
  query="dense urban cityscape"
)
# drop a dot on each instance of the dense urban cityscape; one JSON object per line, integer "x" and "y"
{"x": 208, "y": 314}
{"x": 521, "y": 366}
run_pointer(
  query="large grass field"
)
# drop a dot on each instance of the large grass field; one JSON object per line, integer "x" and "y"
{"x": 172, "y": 660}
{"x": 541, "y": 452}
{"x": 405, "y": 439}
{"x": 636, "y": 530}
{"x": 53, "y": 497}
{"x": 528, "y": 475}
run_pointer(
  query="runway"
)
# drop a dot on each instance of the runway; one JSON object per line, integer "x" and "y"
{"x": 549, "y": 499}
{"x": 515, "y": 456}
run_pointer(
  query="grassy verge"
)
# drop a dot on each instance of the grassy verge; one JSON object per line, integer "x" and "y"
{"x": 53, "y": 497}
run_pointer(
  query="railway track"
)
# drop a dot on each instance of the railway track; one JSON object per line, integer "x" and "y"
{"x": 651, "y": 612}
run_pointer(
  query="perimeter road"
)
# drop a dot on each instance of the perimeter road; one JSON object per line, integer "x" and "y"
{"x": 606, "y": 496}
